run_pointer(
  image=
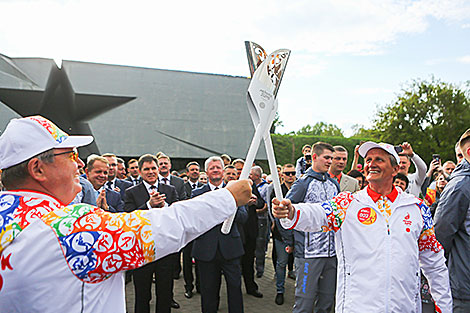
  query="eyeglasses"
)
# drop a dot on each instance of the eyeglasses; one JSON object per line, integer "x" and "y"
{"x": 289, "y": 173}
{"x": 73, "y": 154}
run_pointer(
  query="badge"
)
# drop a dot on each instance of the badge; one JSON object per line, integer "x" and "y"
{"x": 367, "y": 216}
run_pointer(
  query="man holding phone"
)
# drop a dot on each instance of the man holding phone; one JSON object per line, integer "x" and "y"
{"x": 416, "y": 179}
{"x": 304, "y": 162}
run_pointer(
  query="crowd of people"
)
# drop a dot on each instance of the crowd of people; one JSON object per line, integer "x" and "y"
{"x": 337, "y": 232}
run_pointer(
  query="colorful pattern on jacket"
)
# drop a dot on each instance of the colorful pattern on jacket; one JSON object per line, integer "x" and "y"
{"x": 95, "y": 243}
{"x": 430, "y": 197}
{"x": 427, "y": 239}
{"x": 335, "y": 210}
{"x": 17, "y": 212}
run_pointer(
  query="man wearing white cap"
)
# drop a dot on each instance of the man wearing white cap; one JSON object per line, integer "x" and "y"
{"x": 58, "y": 258}
{"x": 383, "y": 237}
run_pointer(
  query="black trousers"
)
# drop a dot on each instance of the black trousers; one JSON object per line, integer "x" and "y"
{"x": 177, "y": 267}
{"x": 163, "y": 270}
{"x": 248, "y": 261}
{"x": 210, "y": 273}
{"x": 188, "y": 268}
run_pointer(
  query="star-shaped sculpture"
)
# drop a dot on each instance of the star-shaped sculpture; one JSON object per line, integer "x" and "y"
{"x": 57, "y": 101}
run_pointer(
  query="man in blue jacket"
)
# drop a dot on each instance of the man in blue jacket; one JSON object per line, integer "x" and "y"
{"x": 314, "y": 252}
{"x": 452, "y": 228}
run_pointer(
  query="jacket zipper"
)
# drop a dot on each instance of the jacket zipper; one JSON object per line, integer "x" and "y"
{"x": 387, "y": 300}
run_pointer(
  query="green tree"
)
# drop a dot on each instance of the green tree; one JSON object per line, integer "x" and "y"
{"x": 359, "y": 131}
{"x": 431, "y": 115}
{"x": 320, "y": 129}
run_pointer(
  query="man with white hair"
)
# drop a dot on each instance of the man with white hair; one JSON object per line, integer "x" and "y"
{"x": 217, "y": 253}
{"x": 387, "y": 237}
{"x": 58, "y": 258}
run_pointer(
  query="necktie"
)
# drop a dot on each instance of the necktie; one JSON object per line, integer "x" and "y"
{"x": 193, "y": 186}
{"x": 153, "y": 188}
{"x": 216, "y": 188}
{"x": 109, "y": 184}
{"x": 165, "y": 181}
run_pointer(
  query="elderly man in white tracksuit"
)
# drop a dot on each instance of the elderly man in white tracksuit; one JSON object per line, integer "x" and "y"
{"x": 59, "y": 258}
{"x": 383, "y": 238}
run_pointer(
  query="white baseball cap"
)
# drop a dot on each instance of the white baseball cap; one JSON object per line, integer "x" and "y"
{"x": 366, "y": 146}
{"x": 26, "y": 137}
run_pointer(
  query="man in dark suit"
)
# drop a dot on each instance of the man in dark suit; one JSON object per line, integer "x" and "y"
{"x": 217, "y": 253}
{"x": 113, "y": 182}
{"x": 97, "y": 174}
{"x": 164, "y": 177}
{"x": 192, "y": 169}
{"x": 121, "y": 172}
{"x": 133, "y": 168}
{"x": 145, "y": 196}
{"x": 250, "y": 233}
{"x": 87, "y": 195}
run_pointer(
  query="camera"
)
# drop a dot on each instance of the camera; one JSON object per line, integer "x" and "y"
{"x": 398, "y": 149}
{"x": 436, "y": 157}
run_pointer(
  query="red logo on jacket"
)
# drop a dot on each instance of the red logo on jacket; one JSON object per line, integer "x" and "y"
{"x": 407, "y": 222}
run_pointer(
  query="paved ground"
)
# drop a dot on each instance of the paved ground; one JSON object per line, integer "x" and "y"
{"x": 267, "y": 285}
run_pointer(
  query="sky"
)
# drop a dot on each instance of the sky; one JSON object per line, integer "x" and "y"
{"x": 348, "y": 58}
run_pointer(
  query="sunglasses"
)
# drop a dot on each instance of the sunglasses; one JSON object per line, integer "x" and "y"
{"x": 73, "y": 154}
{"x": 289, "y": 173}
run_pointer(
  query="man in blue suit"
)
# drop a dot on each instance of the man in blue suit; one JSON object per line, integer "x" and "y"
{"x": 192, "y": 169}
{"x": 97, "y": 173}
{"x": 217, "y": 253}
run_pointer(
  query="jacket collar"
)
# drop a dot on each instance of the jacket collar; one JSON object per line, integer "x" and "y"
{"x": 392, "y": 196}
{"x": 319, "y": 176}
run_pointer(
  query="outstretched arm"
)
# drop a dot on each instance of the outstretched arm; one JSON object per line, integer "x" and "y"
{"x": 313, "y": 217}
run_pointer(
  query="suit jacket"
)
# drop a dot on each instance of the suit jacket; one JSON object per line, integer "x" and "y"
{"x": 88, "y": 192}
{"x": 179, "y": 185}
{"x": 250, "y": 228}
{"x": 348, "y": 183}
{"x": 129, "y": 179}
{"x": 137, "y": 196}
{"x": 113, "y": 199}
{"x": 230, "y": 245}
{"x": 123, "y": 185}
{"x": 188, "y": 188}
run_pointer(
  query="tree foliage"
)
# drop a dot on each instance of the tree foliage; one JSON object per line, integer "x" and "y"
{"x": 320, "y": 129}
{"x": 288, "y": 147}
{"x": 359, "y": 131}
{"x": 431, "y": 115}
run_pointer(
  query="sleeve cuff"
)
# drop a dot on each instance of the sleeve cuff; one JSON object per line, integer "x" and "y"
{"x": 290, "y": 224}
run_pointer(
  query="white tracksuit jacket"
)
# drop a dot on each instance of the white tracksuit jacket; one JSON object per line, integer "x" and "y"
{"x": 57, "y": 258}
{"x": 379, "y": 263}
